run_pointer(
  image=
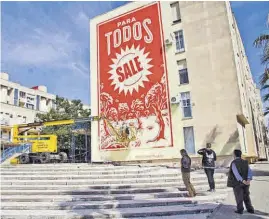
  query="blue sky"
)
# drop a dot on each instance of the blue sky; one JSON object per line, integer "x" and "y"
{"x": 48, "y": 42}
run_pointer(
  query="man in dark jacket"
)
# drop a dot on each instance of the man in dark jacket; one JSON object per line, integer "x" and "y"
{"x": 208, "y": 163}
{"x": 239, "y": 179}
{"x": 185, "y": 170}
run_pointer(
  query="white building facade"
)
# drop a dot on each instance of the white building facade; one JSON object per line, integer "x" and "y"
{"x": 20, "y": 104}
{"x": 210, "y": 92}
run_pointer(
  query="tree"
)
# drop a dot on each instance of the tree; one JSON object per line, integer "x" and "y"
{"x": 113, "y": 114}
{"x": 64, "y": 110}
{"x": 106, "y": 101}
{"x": 155, "y": 101}
{"x": 263, "y": 42}
{"x": 123, "y": 110}
{"x": 138, "y": 107}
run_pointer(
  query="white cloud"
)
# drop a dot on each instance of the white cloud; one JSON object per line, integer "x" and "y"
{"x": 48, "y": 49}
{"x": 82, "y": 20}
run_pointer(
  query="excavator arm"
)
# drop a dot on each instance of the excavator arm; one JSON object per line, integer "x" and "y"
{"x": 16, "y": 128}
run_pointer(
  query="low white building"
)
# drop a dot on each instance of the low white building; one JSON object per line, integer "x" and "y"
{"x": 20, "y": 104}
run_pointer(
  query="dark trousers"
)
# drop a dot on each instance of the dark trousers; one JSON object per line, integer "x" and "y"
{"x": 241, "y": 193}
{"x": 210, "y": 177}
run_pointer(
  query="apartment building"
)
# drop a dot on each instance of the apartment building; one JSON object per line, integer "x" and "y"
{"x": 20, "y": 104}
{"x": 210, "y": 93}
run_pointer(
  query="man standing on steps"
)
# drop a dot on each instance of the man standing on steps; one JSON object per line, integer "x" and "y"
{"x": 208, "y": 163}
{"x": 185, "y": 171}
{"x": 239, "y": 179}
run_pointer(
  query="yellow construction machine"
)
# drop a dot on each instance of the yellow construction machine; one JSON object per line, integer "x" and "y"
{"x": 43, "y": 147}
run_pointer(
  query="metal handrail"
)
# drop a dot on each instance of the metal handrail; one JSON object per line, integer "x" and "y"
{"x": 9, "y": 152}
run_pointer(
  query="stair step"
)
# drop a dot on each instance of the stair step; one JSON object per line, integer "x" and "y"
{"x": 183, "y": 216}
{"x": 80, "y": 172}
{"x": 175, "y": 183}
{"x": 53, "y": 177}
{"x": 84, "y": 197}
{"x": 109, "y": 204}
{"x": 72, "y": 191}
{"x": 98, "y": 182}
{"x": 57, "y": 167}
{"x": 105, "y": 213}
{"x": 102, "y": 176}
{"x": 92, "y": 205}
{"x": 100, "y": 192}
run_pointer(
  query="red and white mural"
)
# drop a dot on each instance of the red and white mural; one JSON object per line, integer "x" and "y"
{"x": 132, "y": 82}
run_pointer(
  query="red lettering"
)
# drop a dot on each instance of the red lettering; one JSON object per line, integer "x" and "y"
{"x": 120, "y": 73}
{"x": 135, "y": 30}
{"x": 132, "y": 67}
{"x": 138, "y": 64}
{"x": 127, "y": 71}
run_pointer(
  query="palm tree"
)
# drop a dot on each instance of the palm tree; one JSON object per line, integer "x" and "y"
{"x": 263, "y": 42}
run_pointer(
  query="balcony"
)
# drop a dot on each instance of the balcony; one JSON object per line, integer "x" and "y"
{"x": 4, "y": 121}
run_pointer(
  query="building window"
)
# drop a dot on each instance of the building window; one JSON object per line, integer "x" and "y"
{"x": 16, "y": 97}
{"x": 175, "y": 12}
{"x": 22, "y": 94}
{"x": 37, "y": 102}
{"x": 189, "y": 140}
{"x": 29, "y": 106}
{"x": 183, "y": 76}
{"x": 183, "y": 71}
{"x": 186, "y": 104}
{"x": 179, "y": 41}
{"x": 9, "y": 91}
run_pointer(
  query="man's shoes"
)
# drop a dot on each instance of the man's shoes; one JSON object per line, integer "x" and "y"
{"x": 211, "y": 190}
{"x": 238, "y": 212}
{"x": 190, "y": 195}
{"x": 251, "y": 211}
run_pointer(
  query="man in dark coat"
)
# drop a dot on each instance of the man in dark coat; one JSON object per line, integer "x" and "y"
{"x": 239, "y": 178}
{"x": 185, "y": 170}
{"x": 208, "y": 163}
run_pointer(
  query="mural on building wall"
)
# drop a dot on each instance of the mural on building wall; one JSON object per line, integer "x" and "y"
{"x": 132, "y": 80}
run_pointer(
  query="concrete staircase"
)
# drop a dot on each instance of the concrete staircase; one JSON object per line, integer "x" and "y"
{"x": 104, "y": 191}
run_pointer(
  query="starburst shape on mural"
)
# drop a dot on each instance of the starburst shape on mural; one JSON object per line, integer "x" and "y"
{"x": 130, "y": 69}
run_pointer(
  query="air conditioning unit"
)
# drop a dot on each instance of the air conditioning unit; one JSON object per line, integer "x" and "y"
{"x": 168, "y": 42}
{"x": 175, "y": 100}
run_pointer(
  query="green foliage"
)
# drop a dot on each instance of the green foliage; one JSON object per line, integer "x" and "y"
{"x": 64, "y": 110}
{"x": 262, "y": 42}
